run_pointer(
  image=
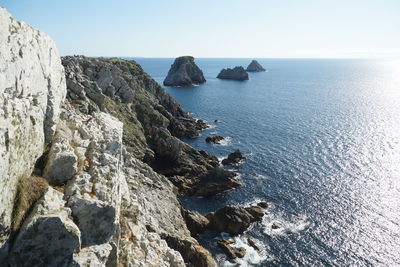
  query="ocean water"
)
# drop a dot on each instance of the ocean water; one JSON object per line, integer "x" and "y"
{"x": 322, "y": 141}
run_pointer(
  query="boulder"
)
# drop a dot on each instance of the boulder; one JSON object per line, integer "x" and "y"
{"x": 214, "y": 139}
{"x": 62, "y": 163}
{"x": 263, "y": 204}
{"x": 237, "y": 73}
{"x": 233, "y": 219}
{"x": 32, "y": 87}
{"x": 276, "y": 225}
{"x": 215, "y": 181}
{"x": 184, "y": 72}
{"x": 48, "y": 237}
{"x": 253, "y": 243}
{"x": 233, "y": 158}
{"x": 232, "y": 252}
{"x": 254, "y": 66}
{"x": 195, "y": 222}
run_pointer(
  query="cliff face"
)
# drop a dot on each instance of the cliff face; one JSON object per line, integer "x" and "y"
{"x": 184, "y": 72}
{"x": 85, "y": 169}
{"x": 32, "y": 86}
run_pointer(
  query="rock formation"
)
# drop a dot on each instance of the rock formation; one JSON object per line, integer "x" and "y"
{"x": 214, "y": 139}
{"x": 103, "y": 204}
{"x": 254, "y": 66}
{"x": 237, "y": 73}
{"x": 32, "y": 87}
{"x": 231, "y": 251}
{"x": 233, "y": 158}
{"x": 184, "y": 72}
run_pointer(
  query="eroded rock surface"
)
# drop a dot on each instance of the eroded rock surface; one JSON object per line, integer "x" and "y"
{"x": 32, "y": 87}
{"x": 184, "y": 72}
{"x": 237, "y": 73}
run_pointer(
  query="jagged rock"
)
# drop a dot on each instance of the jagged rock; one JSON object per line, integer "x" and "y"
{"x": 94, "y": 194}
{"x": 233, "y": 158}
{"x": 233, "y": 219}
{"x": 254, "y": 66}
{"x": 93, "y": 256}
{"x": 195, "y": 222}
{"x": 62, "y": 163}
{"x": 263, "y": 204}
{"x": 276, "y": 225}
{"x": 214, "y": 139}
{"x": 215, "y": 181}
{"x": 232, "y": 252}
{"x": 48, "y": 237}
{"x": 253, "y": 243}
{"x": 32, "y": 86}
{"x": 184, "y": 72}
{"x": 237, "y": 73}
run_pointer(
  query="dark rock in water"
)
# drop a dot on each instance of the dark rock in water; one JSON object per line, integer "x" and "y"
{"x": 216, "y": 121}
{"x": 214, "y": 139}
{"x": 234, "y": 219}
{"x": 195, "y": 222}
{"x": 233, "y": 158}
{"x": 254, "y": 66}
{"x": 184, "y": 72}
{"x": 263, "y": 204}
{"x": 215, "y": 181}
{"x": 276, "y": 225}
{"x": 232, "y": 252}
{"x": 253, "y": 243}
{"x": 237, "y": 73}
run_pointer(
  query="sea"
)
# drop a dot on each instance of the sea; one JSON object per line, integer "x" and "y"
{"x": 321, "y": 139}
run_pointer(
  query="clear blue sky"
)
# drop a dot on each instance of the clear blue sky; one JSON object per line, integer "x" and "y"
{"x": 217, "y": 28}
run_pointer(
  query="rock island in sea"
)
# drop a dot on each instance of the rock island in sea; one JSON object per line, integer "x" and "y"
{"x": 254, "y": 66}
{"x": 184, "y": 72}
{"x": 237, "y": 73}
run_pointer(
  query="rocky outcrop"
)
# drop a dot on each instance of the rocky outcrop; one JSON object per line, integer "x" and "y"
{"x": 231, "y": 251}
{"x": 48, "y": 237}
{"x": 233, "y": 158}
{"x": 254, "y": 66}
{"x": 234, "y": 219}
{"x": 237, "y": 73}
{"x": 184, "y": 72}
{"x": 32, "y": 87}
{"x": 216, "y": 139}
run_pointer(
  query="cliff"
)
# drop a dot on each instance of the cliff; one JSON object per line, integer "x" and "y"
{"x": 32, "y": 86}
{"x": 184, "y": 72}
{"x": 237, "y": 73}
{"x": 92, "y": 180}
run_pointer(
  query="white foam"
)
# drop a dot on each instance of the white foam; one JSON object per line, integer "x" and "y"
{"x": 295, "y": 224}
{"x": 260, "y": 176}
{"x": 252, "y": 255}
{"x": 227, "y": 141}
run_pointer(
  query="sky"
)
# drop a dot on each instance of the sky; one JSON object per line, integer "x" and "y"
{"x": 217, "y": 28}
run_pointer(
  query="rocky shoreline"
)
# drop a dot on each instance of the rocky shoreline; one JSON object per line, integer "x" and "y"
{"x": 99, "y": 139}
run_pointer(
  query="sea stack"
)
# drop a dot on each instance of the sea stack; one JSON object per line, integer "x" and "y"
{"x": 237, "y": 73}
{"x": 254, "y": 66}
{"x": 184, "y": 72}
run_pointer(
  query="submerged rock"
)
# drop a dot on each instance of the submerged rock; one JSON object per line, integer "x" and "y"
{"x": 214, "y": 139}
{"x": 184, "y": 72}
{"x": 232, "y": 252}
{"x": 254, "y": 66}
{"x": 237, "y": 73}
{"x": 233, "y": 158}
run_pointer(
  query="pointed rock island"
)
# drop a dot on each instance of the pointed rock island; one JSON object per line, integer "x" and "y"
{"x": 184, "y": 72}
{"x": 237, "y": 73}
{"x": 254, "y": 66}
